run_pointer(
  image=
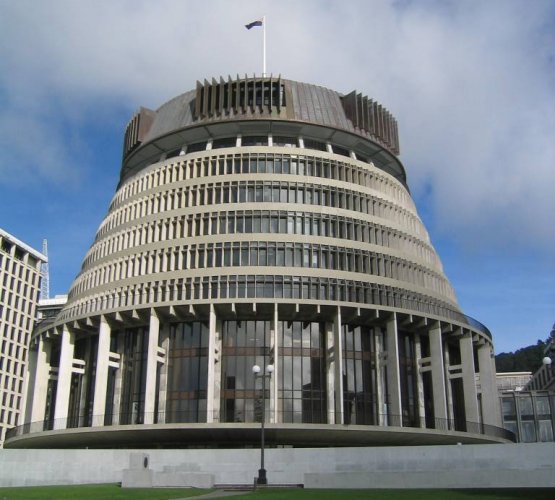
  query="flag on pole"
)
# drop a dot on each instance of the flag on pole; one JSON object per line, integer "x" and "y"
{"x": 259, "y": 22}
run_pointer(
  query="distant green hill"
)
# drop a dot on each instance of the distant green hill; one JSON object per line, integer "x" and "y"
{"x": 527, "y": 359}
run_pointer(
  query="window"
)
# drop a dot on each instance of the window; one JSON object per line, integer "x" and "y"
{"x": 254, "y": 140}
{"x": 315, "y": 144}
{"x": 283, "y": 141}
{"x": 225, "y": 142}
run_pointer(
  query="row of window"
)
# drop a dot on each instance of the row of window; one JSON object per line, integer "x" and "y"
{"x": 262, "y": 192}
{"x": 260, "y": 253}
{"x": 260, "y": 221}
{"x": 529, "y": 415}
{"x": 261, "y": 287}
{"x": 212, "y": 166}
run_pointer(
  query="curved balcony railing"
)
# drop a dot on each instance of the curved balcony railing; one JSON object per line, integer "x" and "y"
{"x": 375, "y": 420}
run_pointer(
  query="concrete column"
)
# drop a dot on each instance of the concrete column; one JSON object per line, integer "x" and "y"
{"x": 419, "y": 381}
{"x": 101, "y": 379}
{"x": 469, "y": 378}
{"x": 28, "y": 385}
{"x": 218, "y": 371}
{"x": 448, "y": 387}
{"x": 118, "y": 383}
{"x": 151, "y": 367}
{"x": 64, "y": 379}
{"x": 85, "y": 380}
{"x": 330, "y": 373}
{"x": 38, "y": 383}
{"x": 393, "y": 375}
{"x": 438, "y": 374}
{"x": 380, "y": 377}
{"x": 210, "y": 381}
{"x": 274, "y": 402}
{"x": 338, "y": 362}
{"x": 163, "y": 389}
{"x": 490, "y": 400}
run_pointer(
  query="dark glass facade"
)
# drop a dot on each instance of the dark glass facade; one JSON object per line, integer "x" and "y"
{"x": 245, "y": 344}
{"x": 187, "y": 372}
{"x": 302, "y": 388}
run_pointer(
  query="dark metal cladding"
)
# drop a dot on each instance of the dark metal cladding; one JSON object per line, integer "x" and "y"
{"x": 137, "y": 129}
{"x": 247, "y": 98}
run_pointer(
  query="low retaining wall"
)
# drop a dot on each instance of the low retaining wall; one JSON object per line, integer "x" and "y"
{"x": 462, "y": 466}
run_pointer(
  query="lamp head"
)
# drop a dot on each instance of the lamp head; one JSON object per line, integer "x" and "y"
{"x": 270, "y": 368}
{"x": 547, "y": 360}
{"x": 256, "y": 369}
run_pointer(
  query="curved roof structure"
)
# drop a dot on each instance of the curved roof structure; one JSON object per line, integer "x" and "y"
{"x": 353, "y": 121}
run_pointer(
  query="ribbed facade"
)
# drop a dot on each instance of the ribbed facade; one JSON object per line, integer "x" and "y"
{"x": 19, "y": 290}
{"x": 266, "y": 221}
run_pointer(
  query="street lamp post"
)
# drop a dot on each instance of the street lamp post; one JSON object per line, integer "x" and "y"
{"x": 262, "y": 479}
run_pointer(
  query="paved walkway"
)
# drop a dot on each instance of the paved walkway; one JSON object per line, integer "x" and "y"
{"x": 220, "y": 494}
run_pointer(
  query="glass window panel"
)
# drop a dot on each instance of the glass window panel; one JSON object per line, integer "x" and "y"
{"x": 528, "y": 432}
{"x": 525, "y": 406}
{"x": 545, "y": 430}
{"x": 542, "y": 406}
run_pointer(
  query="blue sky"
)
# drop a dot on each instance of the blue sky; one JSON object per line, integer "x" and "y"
{"x": 470, "y": 82}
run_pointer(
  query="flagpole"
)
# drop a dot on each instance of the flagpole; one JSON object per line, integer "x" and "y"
{"x": 263, "y": 46}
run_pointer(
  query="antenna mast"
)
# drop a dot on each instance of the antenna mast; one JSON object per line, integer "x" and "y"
{"x": 45, "y": 276}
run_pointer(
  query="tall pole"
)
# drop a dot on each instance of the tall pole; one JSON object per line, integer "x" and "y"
{"x": 263, "y": 46}
{"x": 262, "y": 479}
{"x": 262, "y": 472}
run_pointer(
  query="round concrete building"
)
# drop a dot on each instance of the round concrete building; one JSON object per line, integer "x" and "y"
{"x": 261, "y": 221}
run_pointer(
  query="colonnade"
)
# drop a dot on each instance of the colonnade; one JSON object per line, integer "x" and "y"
{"x": 480, "y": 394}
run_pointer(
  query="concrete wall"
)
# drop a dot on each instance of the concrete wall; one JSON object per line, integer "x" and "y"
{"x": 509, "y": 465}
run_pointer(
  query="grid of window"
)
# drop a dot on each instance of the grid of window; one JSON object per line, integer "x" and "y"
{"x": 187, "y": 372}
{"x": 360, "y": 377}
{"x": 244, "y": 344}
{"x": 134, "y": 376}
{"x": 529, "y": 414}
{"x": 260, "y": 222}
{"x": 259, "y": 163}
{"x": 19, "y": 287}
{"x": 260, "y": 253}
{"x": 300, "y": 193}
{"x": 302, "y": 388}
{"x": 268, "y": 286}
{"x": 408, "y": 374}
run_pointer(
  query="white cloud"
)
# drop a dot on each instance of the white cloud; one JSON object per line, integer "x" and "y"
{"x": 470, "y": 82}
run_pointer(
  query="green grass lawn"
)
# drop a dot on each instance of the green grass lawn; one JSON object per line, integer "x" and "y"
{"x": 494, "y": 494}
{"x": 112, "y": 491}
{"x": 96, "y": 492}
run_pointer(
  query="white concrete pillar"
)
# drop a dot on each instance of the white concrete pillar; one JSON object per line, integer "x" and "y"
{"x": 38, "y": 383}
{"x": 210, "y": 381}
{"x": 380, "y": 376}
{"x": 28, "y": 385}
{"x": 64, "y": 378}
{"x": 101, "y": 379}
{"x": 330, "y": 372}
{"x": 393, "y": 374}
{"x": 438, "y": 375}
{"x": 218, "y": 371}
{"x": 274, "y": 402}
{"x": 118, "y": 383}
{"x": 419, "y": 381}
{"x": 85, "y": 380}
{"x": 490, "y": 399}
{"x": 163, "y": 385}
{"x": 448, "y": 387}
{"x": 338, "y": 362}
{"x": 151, "y": 367}
{"x": 469, "y": 378}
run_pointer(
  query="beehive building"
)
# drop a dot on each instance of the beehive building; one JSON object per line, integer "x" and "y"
{"x": 261, "y": 221}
